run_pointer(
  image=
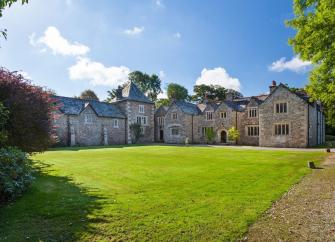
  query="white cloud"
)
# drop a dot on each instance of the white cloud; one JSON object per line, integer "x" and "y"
{"x": 98, "y": 74}
{"x": 177, "y": 35}
{"x": 58, "y": 44}
{"x": 161, "y": 75}
{"x": 218, "y": 76}
{"x": 134, "y": 31}
{"x": 295, "y": 64}
{"x": 25, "y": 75}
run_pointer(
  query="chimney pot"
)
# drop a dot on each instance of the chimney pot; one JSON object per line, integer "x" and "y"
{"x": 273, "y": 86}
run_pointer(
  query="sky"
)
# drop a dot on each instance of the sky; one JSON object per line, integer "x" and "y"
{"x": 72, "y": 45}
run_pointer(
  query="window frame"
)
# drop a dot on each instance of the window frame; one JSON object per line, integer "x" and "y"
{"x": 116, "y": 123}
{"x": 174, "y": 129}
{"x": 141, "y": 109}
{"x": 209, "y": 114}
{"x": 252, "y": 112}
{"x": 252, "y": 130}
{"x": 160, "y": 120}
{"x": 223, "y": 115}
{"x": 281, "y": 107}
{"x": 88, "y": 118}
{"x": 174, "y": 116}
{"x": 281, "y": 129}
{"x": 141, "y": 118}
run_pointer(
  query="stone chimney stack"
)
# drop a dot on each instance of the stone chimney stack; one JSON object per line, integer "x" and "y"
{"x": 119, "y": 93}
{"x": 273, "y": 86}
{"x": 229, "y": 96}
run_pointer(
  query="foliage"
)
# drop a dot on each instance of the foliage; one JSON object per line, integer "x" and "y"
{"x": 162, "y": 102}
{"x": 315, "y": 41}
{"x": 89, "y": 94}
{"x": 15, "y": 173}
{"x": 150, "y": 85}
{"x": 133, "y": 184}
{"x": 3, "y": 5}
{"x": 234, "y": 93}
{"x": 177, "y": 92}
{"x": 30, "y": 109}
{"x": 136, "y": 132}
{"x": 210, "y": 92}
{"x": 4, "y": 115}
{"x": 233, "y": 134}
{"x": 112, "y": 93}
{"x": 210, "y": 134}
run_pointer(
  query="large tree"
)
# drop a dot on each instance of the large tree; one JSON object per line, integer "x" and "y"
{"x": 3, "y": 5}
{"x": 315, "y": 41}
{"x": 89, "y": 94}
{"x": 29, "y": 125}
{"x": 149, "y": 84}
{"x": 177, "y": 92}
{"x": 210, "y": 92}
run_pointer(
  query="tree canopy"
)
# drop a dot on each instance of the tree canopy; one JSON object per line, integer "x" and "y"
{"x": 89, "y": 94}
{"x": 148, "y": 84}
{"x": 210, "y": 92}
{"x": 177, "y": 92}
{"x": 315, "y": 41}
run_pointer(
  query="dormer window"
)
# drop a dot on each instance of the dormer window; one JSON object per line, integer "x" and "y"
{"x": 252, "y": 113}
{"x": 281, "y": 108}
{"x": 174, "y": 116}
{"x": 115, "y": 123}
{"x": 88, "y": 118}
{"x": 209, "y": 115}
{"x": 141, "y": 108}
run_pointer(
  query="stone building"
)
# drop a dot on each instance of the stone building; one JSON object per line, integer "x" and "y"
{"x": 89, "y": 122}
{"x": 282, "y": 118}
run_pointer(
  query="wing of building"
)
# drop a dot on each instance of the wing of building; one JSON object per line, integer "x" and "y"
{"x": 282, "y": 118}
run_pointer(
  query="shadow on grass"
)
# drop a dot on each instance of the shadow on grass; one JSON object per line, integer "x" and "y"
{"x": 54, "y": 209}
{"x": 77, "y": 148}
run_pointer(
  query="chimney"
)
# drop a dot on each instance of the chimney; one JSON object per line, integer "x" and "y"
{"x": 119, "y": 93}
{"x": 229, "y": 96}
{"x": 273, "y": 86}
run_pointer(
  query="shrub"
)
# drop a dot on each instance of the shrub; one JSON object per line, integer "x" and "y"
{"x": 30, "y": 113}
{"x": 233, "y": 134}
{"x": 136, "y": 132}
{"x": 210, "y": 134}
{"x": 15, "y": 173}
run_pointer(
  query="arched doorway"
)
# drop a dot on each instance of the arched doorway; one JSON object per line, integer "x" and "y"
{"x": 223, "y": 136}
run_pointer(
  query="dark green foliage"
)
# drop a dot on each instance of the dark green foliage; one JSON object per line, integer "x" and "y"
{"x": 136, "y": 132}
{"x": 149, "y": 85}
{"x": 315, "y": 41}
{"x": 177, "y": 92}
{"x": 89, "y": 94}
{"x": 15, "y": 173}
{"x": 210, "y": 92}
{"x": 210, "y": 134}
{"x": 4, "y": 115}
{"x": 162, "y": 102}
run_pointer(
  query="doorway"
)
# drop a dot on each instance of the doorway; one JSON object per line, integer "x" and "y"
{"x": 223, "y": 136}
{"x": 161, "y": 135}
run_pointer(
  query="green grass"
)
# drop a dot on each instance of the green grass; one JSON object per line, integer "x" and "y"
{"x": 150, "y": 193}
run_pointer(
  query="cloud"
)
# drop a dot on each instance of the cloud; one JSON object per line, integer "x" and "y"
{"x": 159, "y": 3}
{"x": 58, "y": 44}
{"x": 295, "y": 64}
{"x": 161, "y": 75}
{"x": 134, "y": 31}
{"x": 98, "y": 74}
{"x": 218, "y": 76}
{"x": 177, "y": 35}
{"x": 25, "y": 75}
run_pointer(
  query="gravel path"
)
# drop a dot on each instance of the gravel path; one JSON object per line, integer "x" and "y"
{"x": 305, "y": 213}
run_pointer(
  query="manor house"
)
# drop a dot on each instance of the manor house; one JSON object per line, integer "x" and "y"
{"x": 282, "y": 118}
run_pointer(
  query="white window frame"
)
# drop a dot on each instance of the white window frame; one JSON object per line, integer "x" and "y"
{"x": 252, "y": 131}
{"x": 160, "y": 120}
{"x": 175, "y": 128}
{"x": 252, "y": 113}
{"x": 88, "y": 119}
{"x": 281, "y": 107}
{"x": 141, "y": 108}
{"x": 223, "y": 115}
{"x": 174, "y": 116}
{"x": 281, "y": 129}
{"x": 115, "y": 123}
{"x": 142, "y": 120}
{"x": 209, "y": 115}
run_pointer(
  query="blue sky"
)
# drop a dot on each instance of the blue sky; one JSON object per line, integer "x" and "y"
{"x": 72, "y": 45}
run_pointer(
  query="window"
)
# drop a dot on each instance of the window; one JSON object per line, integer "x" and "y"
{"x": 223, "y": 115}
{"x": 141, "y": 108}
{"x": 115, "y": 123}
{"x": 252, "y": 112}
{"x": 282, "y": 129}
{"x": 209, "y": 115}
{"x": 142, "y": 120}
{"x": 174, "y": 116}
{"x": 160, "y": 120}
{"x": 88, "y": 118}
{"x": 281, "y": 107}
{"x": 203, "y": 130}
{"x": 253, "y": 130}
{"x": 174, "y": 131}
{"x": 142, "y": 130}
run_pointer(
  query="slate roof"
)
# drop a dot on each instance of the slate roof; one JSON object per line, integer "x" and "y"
{"x": 162, "y": 110}
{"x": 133, "y": 93}
{"x": 187, "y": 107}
{"x": 74, "y": 106}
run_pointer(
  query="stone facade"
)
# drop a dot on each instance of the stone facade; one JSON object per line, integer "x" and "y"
{"x": 296, "y": 123}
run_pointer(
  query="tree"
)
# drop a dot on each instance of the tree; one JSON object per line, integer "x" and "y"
{"x": 136, "y": 132}
{"x": 162, "y": 102}
{"x": 4, "y": 115}
{"x": 233, "y": 134}
{"x": 210, "y": 92}
{"x": 210, "y": 134}
{"x": 177, "y": 92}
{"x": 150, "y": 85}
{"x": 89, "y": 94}
{"x": 29, "y": 125}
{"x": 3, "y": 5}
{"x": 315, "y": 42}
{"x": 112, "y": 93}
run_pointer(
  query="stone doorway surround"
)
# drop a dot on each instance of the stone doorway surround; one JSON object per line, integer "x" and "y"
{"x": 221, "y": 139}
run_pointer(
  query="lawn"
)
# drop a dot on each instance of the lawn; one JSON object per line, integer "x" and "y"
{"x": 150, "y": 193}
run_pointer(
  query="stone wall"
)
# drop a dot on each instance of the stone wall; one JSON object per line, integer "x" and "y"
{"x": 296, "y": 117}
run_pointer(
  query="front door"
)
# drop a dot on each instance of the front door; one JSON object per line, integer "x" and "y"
{"x": 223, "y": 137}
{"x": 161, "y": 135}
